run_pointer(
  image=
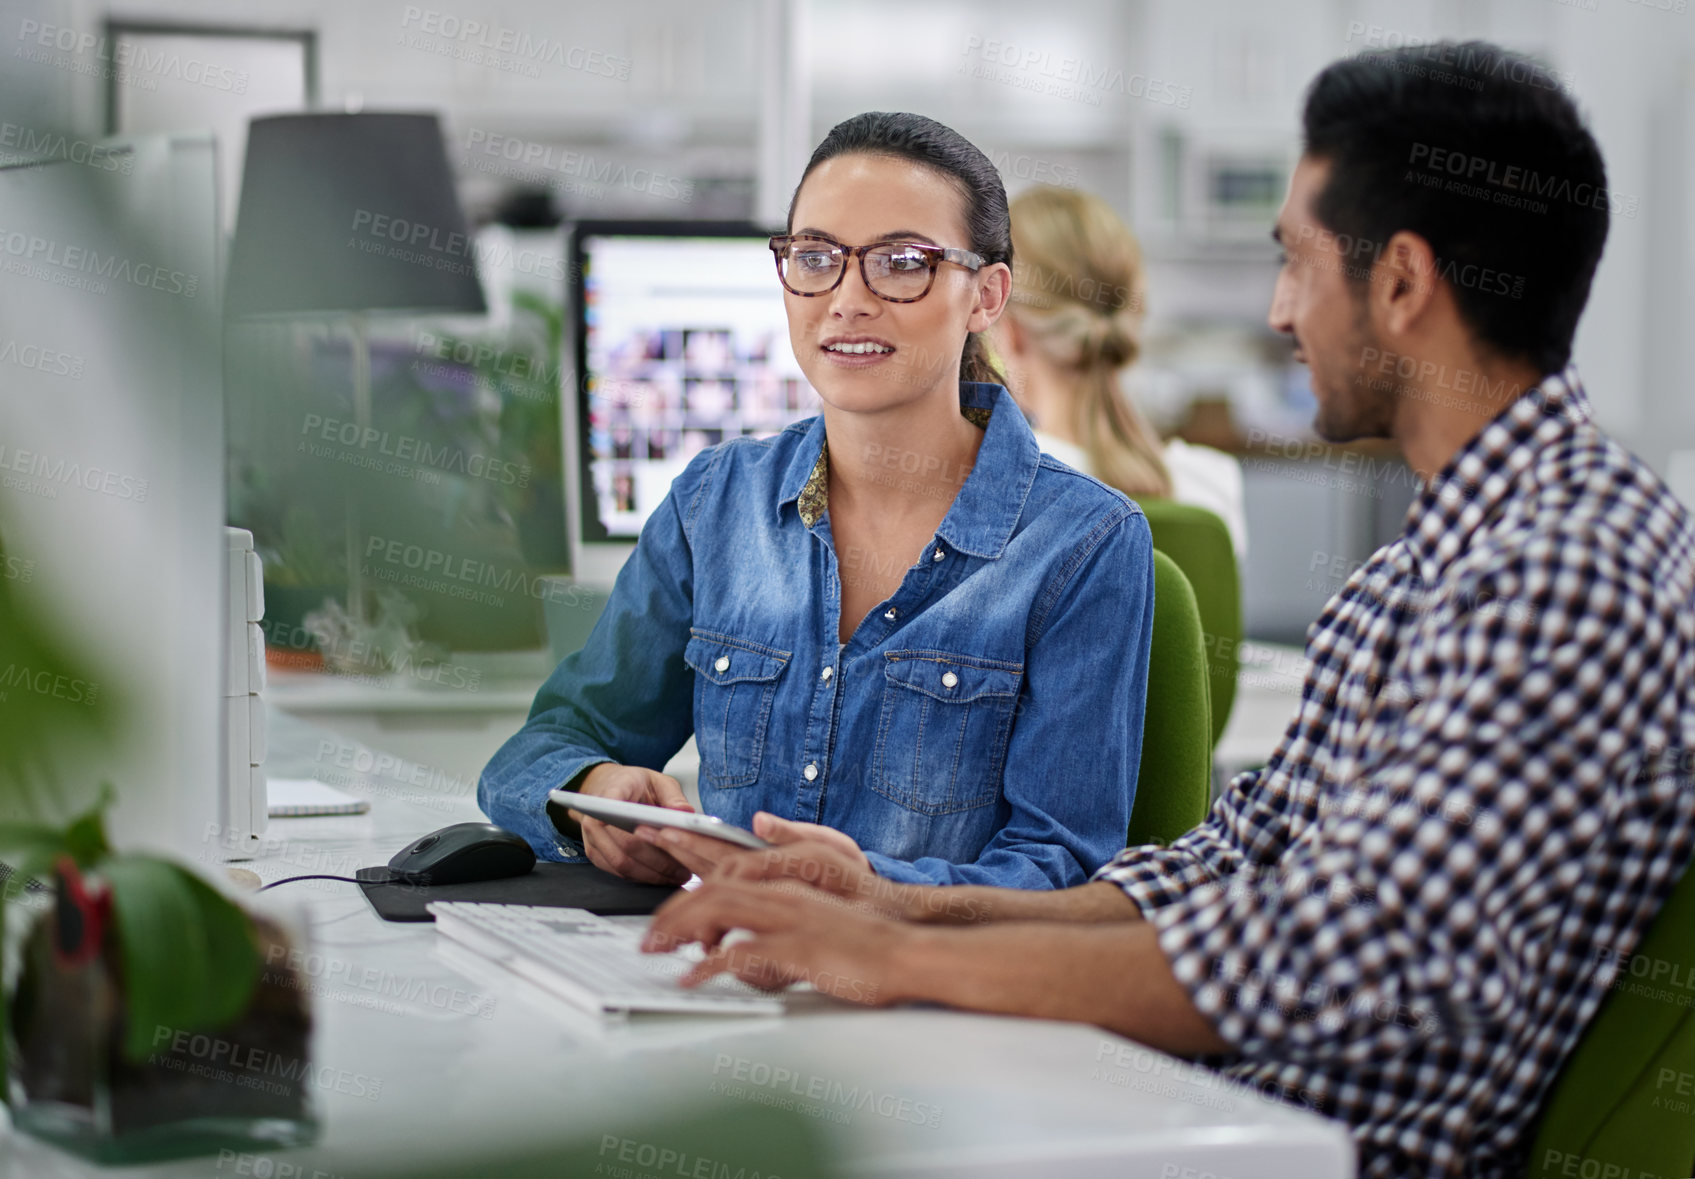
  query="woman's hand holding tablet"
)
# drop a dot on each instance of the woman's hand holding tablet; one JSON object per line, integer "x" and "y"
{"x": 618, "y": 851}
{"x": 633, "y": 816}
{"x": 820, "y": 855}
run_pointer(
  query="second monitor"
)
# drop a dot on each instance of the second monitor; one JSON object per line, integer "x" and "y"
{"x": 681, "y": 343}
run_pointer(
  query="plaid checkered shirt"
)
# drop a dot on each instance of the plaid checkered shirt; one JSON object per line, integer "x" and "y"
{"x": 1408, "y": 916}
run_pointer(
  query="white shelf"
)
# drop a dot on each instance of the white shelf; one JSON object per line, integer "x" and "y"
{"x": 295, "y": 691}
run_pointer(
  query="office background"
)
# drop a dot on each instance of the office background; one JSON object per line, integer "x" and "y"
{"x": 1184, "y": 116}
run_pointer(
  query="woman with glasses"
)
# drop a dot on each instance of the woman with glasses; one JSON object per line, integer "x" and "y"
{"x": 896, "y": 625}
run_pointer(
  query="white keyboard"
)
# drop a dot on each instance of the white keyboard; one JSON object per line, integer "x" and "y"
{"x": 592, "y": 962}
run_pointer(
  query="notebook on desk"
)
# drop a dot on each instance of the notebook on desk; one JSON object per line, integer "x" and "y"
{"x": 297, "y": 797}
{"x": 560, "y": 886}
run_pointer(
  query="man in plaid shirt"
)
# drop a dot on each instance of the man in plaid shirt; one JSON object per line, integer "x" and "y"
{"x": 1406, "y": 919}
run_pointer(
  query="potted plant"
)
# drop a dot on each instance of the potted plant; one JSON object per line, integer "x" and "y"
{"x": 302, "y": 573}
{"x": 139, "y": 1021}
{"x": 527, "y": 383}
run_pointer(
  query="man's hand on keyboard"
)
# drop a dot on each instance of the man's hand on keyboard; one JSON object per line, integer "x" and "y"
{"x": 800, "y": 934}
{"x": 621, "y": 852}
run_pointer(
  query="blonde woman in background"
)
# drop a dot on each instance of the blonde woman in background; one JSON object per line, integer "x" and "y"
{"x": 1072, "y": 327}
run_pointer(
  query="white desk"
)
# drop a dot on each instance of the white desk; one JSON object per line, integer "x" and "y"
{"x": 1011, "y": 1097}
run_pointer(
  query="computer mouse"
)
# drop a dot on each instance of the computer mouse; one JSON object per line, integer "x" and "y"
{"x": 462, "y": 854}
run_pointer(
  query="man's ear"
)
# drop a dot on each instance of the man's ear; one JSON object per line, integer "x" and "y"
{"x": 1403, "y": 283}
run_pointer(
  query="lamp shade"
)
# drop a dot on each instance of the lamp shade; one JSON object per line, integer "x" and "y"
{"x": 344, "y": 213}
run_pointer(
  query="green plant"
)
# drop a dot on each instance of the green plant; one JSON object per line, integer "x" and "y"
{"x": 528, "y": 384}
{"x": 302, "y": 555}
{"x": 187, "y": 954}
{"x": 461, "y": 455}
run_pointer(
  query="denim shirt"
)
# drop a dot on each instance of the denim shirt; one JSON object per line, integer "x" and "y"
{"x": 981, "y": 726}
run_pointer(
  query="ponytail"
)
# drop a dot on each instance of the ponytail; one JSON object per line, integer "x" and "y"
{"x": 974, "y": 362}
{"x": 1122, "y": 447}
{"x": 1078, "y": 289}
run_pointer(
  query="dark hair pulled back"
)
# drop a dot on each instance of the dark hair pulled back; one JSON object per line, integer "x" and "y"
{"x": 942, "y": 149}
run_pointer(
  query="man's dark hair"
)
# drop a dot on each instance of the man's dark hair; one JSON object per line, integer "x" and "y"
{"x": 1481, "y": 153}
{"x": 942, "y": 149}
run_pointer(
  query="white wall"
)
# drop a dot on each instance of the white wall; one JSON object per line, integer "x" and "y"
{"x": 689, "y": 105}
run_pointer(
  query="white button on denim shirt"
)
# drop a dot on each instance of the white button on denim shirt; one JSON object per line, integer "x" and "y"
{"x": 940, "y": 742}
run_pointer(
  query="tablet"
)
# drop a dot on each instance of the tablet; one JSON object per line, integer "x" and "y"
{"x": 630, "y": 815}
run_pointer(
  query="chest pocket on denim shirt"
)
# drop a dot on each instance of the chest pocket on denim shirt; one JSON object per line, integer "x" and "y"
{"x": 941, "y": 742}
{"x": 733, "y": 688}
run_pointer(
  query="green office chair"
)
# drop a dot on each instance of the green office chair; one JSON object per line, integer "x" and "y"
{"x": 1175, "y": 779}
{"x": 1199, "y": 542}
{"x": 1622, "y": 1098}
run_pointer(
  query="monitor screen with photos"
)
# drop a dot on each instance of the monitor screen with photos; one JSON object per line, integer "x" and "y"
{"x": 682, "y": 343}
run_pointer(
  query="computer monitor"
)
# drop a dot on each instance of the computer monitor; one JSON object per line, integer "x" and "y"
{"x": 681, "y": 342}
{"x": 111, "y": 468}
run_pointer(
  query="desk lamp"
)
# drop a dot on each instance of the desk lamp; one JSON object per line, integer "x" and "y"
{"x": 344, "y": 216}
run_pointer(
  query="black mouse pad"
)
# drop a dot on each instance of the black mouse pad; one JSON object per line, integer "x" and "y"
{"x": 558, "y": 886}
